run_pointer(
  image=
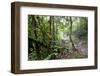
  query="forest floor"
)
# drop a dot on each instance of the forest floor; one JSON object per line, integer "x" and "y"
{"x": 80, "y": 52}
{"x": 64, "y": 50}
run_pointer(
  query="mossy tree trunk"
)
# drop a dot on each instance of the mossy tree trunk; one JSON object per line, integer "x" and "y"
{"x": 34, "y": 24}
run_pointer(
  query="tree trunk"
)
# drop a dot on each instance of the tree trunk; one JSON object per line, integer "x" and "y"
{"x": 70, "y": 35}
{"x": 51, "y": 33}
{"x": 50, "y": 24}
{"x": 34, "y": 24}
{"x": 53, "y": 28}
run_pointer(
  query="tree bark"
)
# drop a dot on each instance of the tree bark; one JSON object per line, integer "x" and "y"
{"x": 70, "y": 35}
{"x": 34, "y": 24}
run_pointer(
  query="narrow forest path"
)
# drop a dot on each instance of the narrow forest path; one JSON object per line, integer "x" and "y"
{"x": 82, "y": 51}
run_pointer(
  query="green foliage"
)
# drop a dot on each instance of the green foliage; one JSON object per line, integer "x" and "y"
{"x": 51, "y": 56}
{"x": 81, "y": 30}
{"x": 54, "y": 35}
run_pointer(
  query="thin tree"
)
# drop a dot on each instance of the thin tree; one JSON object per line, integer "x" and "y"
{"x": 70, "y": 34}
